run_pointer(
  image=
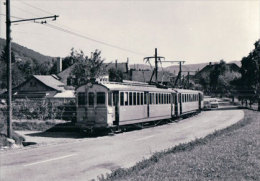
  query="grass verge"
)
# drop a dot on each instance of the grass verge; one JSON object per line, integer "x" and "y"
{"x": 229, "y": 154}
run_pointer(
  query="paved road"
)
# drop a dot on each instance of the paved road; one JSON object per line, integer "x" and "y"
{"x": 84, "y": 159}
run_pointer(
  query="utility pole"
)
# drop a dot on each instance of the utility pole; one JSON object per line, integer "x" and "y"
{"x": 156, "y": 58}
{"x": 9, "y": 71}
{"x": 9, "y": 63}
{"x": 188, "y": 76}
{"x": 180, "y": 69}
{"x": 156, "y": 65}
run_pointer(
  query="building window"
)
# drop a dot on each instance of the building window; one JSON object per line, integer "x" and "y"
{"x": 101, "y": 98}
{"x": 91, "y": 99}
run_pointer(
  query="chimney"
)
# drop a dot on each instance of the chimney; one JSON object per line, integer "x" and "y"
{"x": 116, "y": 64}
{"x": 59, "y": 65}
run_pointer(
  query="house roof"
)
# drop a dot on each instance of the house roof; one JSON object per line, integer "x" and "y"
{"x": 119, "y": 66}
{"x": 67, "y": 72}
{"x": 50, "y": 81}
{"x": 65, "y": 94}
{"x": 144, "y": 76}
{"x": 232, "y": 67}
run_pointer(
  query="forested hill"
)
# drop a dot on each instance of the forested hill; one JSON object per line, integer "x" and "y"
{"x": 25, "y": 62}
{"x": 23, "y": 53}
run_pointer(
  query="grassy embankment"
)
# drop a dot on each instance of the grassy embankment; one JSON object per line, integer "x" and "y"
{"x": 3, "y": 133}
{"x": 229, "y": 154}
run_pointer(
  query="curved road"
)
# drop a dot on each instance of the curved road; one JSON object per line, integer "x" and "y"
{"x": 85, "y": 159}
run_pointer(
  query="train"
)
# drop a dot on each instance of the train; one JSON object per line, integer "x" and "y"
{"x": 103, "y": 105}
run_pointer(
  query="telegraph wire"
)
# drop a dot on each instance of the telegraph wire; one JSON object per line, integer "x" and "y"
{"x": 73, "y": 32}
{"x": 21, "y": 9}
{"x": 11, "y": 16}
{"x": 36, "y": 8}
{"x": 91, "y": 39}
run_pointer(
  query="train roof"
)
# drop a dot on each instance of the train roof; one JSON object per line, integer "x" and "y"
{"x": 186, "y": 91}
{"x": 135, "y": 87}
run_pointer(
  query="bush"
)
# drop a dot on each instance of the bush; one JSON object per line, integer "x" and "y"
{"x": 43, "y": 109}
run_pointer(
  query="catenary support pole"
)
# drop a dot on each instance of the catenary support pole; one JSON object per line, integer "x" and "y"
{"x": 9, "y": 70}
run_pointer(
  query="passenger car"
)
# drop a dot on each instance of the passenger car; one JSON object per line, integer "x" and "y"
{"x": 114, "y": 104}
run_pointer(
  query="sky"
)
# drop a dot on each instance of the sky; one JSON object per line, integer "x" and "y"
{"x": 195, "y": 31}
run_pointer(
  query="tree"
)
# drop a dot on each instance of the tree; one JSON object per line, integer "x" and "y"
{"x": 115, "y": 75}
{"x": 216, "y": 78}
{"x": 87, "y": 69}
{"x": 249, "y": 84}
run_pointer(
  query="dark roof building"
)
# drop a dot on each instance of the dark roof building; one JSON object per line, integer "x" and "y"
{"x": 145, "y": 76}
{"x": 42, "y": 86}
{"x": 65, "y": 75}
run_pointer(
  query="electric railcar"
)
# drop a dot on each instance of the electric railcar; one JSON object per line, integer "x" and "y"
{"x": 111, "y": 104}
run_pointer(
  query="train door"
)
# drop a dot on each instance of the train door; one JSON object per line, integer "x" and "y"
{"x": 90, "y": 108}
{"x": 175, "y": 99}
{"x": 200, "y": 100}
{"x": 180, "y": 101}
{"x": 147, "y": 98}
{"x": 116, "y": 105}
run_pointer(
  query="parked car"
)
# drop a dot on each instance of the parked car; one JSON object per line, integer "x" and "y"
{"x": 207, "y": 104}
{"x": 210, "y": 103}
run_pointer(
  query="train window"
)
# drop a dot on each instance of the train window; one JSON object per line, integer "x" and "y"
{"x": 91, "y": 99}
{"x": 110, "y": 94}
{"x": 130, "y": 98}
{"x": 101, "y": 98}
{"x": 142, "y": 98}
{"x": 162, "y": 95}
{"x": 164, "y": 99}
{"x": 81, "y": 98}
{"x": 145, "y": 97}
{"x": 138, "y": 98}
{"x": 134, "y": 98}
{"x": 156, "y": 98}
{"x": 182, "y": 98}
{"x": 121, "y": 98}
{"x": 151, "y": 98}
{"x": 126, "y": 98}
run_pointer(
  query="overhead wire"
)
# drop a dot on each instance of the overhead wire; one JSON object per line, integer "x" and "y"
{"x": 73, "y": 32}
{"x": 36, "y": 8}
{"x": 91, "y": 39}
